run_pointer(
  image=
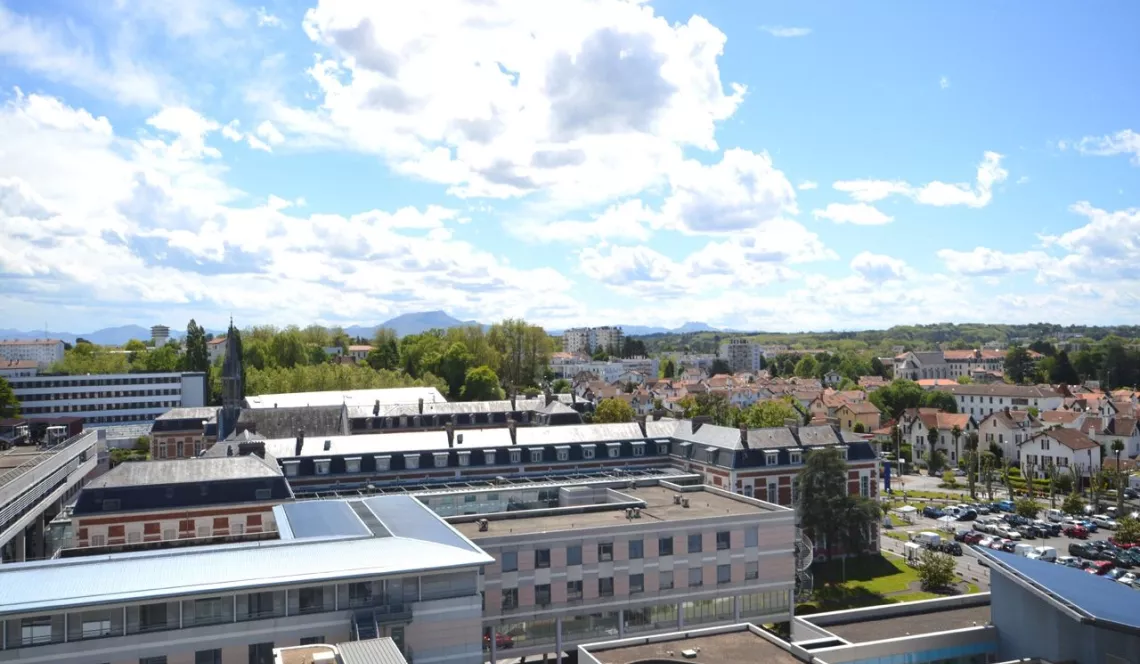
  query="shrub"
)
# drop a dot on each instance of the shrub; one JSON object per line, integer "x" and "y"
{"x": 935, "y": 570}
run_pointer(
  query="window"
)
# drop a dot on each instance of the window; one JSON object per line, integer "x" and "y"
{"x": 751, "y": 571}
{"x": 696, "y": 577}
{"x": 352, "y": 464}
{"x": 636, "y": 583}
{"x": 574, "y": 590}
{"x": 208, "y": 656}
{"x": 291, "y": 468}
{"x": 440, "y": 459}
{"x": 237, "y": 528}
{"x": 864, "y": 486}
{"x": 510, "y": 561}
{"x": 93, "y": 629}
{"x": 662, "y": 448}
{"x": 588, "y": 451}
{"x": 695, "y": 543}
{"x": 411, "y": 461}
{"x": 614, "y": 449}
{"x": 563, "y": 453}
{"x": 773, "y": 492}
{"x": 383, "y": 462}
{"x": 770, "y": 458}
{"x": 312, "y": 640}
{"x": 261, "y": 653}
{"x": 605, "y": 552}
{"x": 795, "y": 456}
{"x": 752, "y": 537}
{"x": 98, "y": 540}
{"x": 35, "y": 630}
{"x": 489, "y": 457}
{"x": 723, "y": 574}
{"x": 638, "y": 449}
{"x": 665, "y": 581}
{"x": 516, "y": 456}
{"x": 636, "y": 549}
{"x": 510, "y": 599}
{"x": 160, "y": 659}
{"x": 665, "y": 546}
{"x": 311, "y": 600}
{"x": 464, "y": 458}
{"x": 134, "y": 537}
{"x": 359, "y": 593}
{"x": 535, "y": 456}
{"x": 574, "y": 555}
{"x": 606, "y": 587}
{"x": 542, "y": 594}
{"x": 541, "y": 558}
{"x": 722, "y": 540}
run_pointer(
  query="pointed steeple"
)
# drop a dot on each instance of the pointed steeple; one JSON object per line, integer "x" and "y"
{"x": 233, "y": 382}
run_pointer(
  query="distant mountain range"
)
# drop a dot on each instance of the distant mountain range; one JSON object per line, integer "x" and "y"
{"x": 413, "y": 323}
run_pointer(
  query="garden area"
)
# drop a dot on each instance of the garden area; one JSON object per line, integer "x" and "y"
{"x": 870, "y": 580}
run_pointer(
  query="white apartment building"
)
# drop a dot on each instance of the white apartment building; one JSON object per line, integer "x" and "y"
{"x": 1064, "y": 448}
{"x": 587, "y": 340}
{"x": 216, "y": 349}
{"x": 742, "y": 355}
{"x": 18, "y": 368}
{"x": 981, "y": 400}
{"x": 109, "y": 398}
{"x": 608, "y": 372}
{"x": 43, "y": 352}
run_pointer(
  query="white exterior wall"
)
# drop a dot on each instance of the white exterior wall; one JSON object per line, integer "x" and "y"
{"x": 42, "y": 351}
{"x": 1061, "y": 455}
{"x": 109, "y": 398}
{"x": 980, "y": 406}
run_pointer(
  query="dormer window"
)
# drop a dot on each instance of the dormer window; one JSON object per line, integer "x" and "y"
{"x": 383, "y": 462}
{"x": 663, "y": 448}
{"x": 771, "y": 457}
{"x": 352, "y": 464}
{"x": 291, "y": 468}
{"x": 411, "y": 461}
{"x": 563, "y": 452}
{"x": 489, "y": 457}
{"x": 795, "y": 456}
{"x": 638, "y": 449}
{"x": 516, "y": 456}
{"x": 588, "y": 451}
{"x": 613, "y": 449}
{"x": 536, "y": 455}
{"x": 843, "y": 452}
{"x": 464, "y": 457}
{"x": 440, "y": 459}
{"x": 322, "y": 466}
{"x": 710, "y": 454}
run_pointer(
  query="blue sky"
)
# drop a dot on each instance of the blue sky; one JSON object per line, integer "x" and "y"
{"x": 766, "y": 165}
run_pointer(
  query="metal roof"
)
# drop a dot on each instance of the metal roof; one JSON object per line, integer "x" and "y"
{"x": 371, "y": 651}
{"x": 184, "y": 471}
{"x": 420, "y": 542}
{"x": 318, "y": 518}
{"x": 1100, "y": 599}
{"x": 396, "y": 395}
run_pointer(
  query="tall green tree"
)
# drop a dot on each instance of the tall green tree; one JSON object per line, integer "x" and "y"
{"x": 669, "y": 369}
{"x": 613, "y": 410}
{"x": 768, "y": 413}
{"x": 943, "y": 401}
{"x": 898, "y": 396}
{"x": 807, "y": 367}
{"x": 524, "y": 352}
{"x": 877, "y": 368}
{"x": 481, "y": 384}
{"x": 453, "y": 368}
{"x": 9, "y": 404}
{"x": 719, "y": 366}
{"x": 1018, "y": 364}
{"x": 196, "y": 358}
{"x": 1117, "y": 449}
{"x": 163, "y": 359}
{"x": 1063, "y": 372}
{"x": 288, "y": 348}
{"x": 828, "y": 512}
{"x": 561, "y": 386}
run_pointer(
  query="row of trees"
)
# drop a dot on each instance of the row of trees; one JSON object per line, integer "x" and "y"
{"x": 189, "y": 354}
{"x": 901, "y": 394}
{"x": 1113, "y": 360}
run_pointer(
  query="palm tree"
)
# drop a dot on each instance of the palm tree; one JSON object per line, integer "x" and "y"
{"x": 955, "y": 434}
{"x": 972, "y": 461}
{"x": 986, "y": 462}
{"x": 1052, "y": 471}
{"x": 932, "y": 438}
{"x": 895, "y": 435}
{"x": 1118, "y": 447}
{"x": 1005, "y": 476}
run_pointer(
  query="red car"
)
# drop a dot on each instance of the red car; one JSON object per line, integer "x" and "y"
{"x": 1079, "y": 532}
{"x": 972, "y": 537}
{"x": 1122, "y": 545}
{"x": 1099, "y": 567}
{"x": 501, "y": 641}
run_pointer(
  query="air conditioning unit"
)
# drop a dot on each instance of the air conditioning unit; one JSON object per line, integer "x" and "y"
{"x": 483, "y": 525}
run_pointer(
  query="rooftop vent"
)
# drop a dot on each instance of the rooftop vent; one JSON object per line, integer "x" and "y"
{"x": 459, "y": 439}
{"x": 483, "y": 525}
{"x": 685, "y": 503}
{"x": 328, "y": 445}
{"x": 676, "y": 499}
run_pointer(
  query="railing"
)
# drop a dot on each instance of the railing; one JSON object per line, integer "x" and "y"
{"x": 9, "y": 487}
{"x": 35, "y": 493}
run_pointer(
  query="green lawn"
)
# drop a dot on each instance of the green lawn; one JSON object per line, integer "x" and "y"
{"x": 898, "y": 535}
{"x": 870, "y": 581}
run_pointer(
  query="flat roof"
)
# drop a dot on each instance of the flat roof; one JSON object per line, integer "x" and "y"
{"x": 418, "y": 541}
{"x": 185, "y": 471}
{"x": 393, "y": 395}
{"x": 895, "y": 626}
{"x": 725, "y": 648}
{"x": 659, "y": 508}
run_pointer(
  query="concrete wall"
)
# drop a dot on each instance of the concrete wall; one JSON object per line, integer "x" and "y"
{"x": 969, "y": 641}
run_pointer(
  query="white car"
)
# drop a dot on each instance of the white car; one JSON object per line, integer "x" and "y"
{"x": 1127, "y": 578}
{"x": 1011, "y": 534}
{"x": 985, "y": 542}
{"x": 1056, "y": 516}
{"x": 1103, "y": 521}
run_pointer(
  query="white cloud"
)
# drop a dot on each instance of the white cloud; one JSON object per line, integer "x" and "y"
{"x": 581, "y": 102}
{"x": 784, "y": 31}
{"x": 1024, "y": 179}
{"x": 1105, "y": 249}
{"x": 853, "y": 213}
{"x": 190, "y": 127}
{"x": 1125, "y": 141}
{"x": 878, "y": 268}
{"x": 939, "y": 194}
{"x": 17, "y": 199}
{"x": 807, "y": 185}
{"x": 187, "y": 18}
{"x": 255, "y": 141}
{"x": 267, "y": 131}
{"x": 943, "y": 82}
{"x": 984, "y": 262}
{"x": 265, "y": 19}
{"x": 629, "y": 220}
{"x": 744, "y": 190}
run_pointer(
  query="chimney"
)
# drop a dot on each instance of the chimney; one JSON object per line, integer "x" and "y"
{"x": 376, "y": 408}
{"x": 573, "y": 396}
{"x": 450, "y": 428}
{"x": 641, "y": 425}
{"x": 699, "y": 421}
{"x": 300, "y": 442}
{"x": 514, "y": 433}
{"x": 421, "y": 406}
{"x": 513, "y": 396}
{"x": 744, "y": 436}
{"x": 229, "y": 450}
{"x": 256, "y": 448}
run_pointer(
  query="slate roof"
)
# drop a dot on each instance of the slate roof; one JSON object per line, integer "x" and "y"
{"x": 285, "y": 422}
{"x": 189, "y": 414}
{"x": 183, "y": 471}
{"x": 397, "y": 395}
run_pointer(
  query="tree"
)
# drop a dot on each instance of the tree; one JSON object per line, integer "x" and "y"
{"x": 610, "y": 411}
{"x": 955, "y": 434}
{"x": 807, "y": 367}
{"x": 1063, "y": 372}
{"x": 859, "y": 428}
{"x": 669, "y": 369}
{"x": 1027, "y": 507}
{"x": 972, "y": 462}
{"x": 827, "y": 510}
{"x": 288, "y": 348}
{"x": 935, "y": 460}
{"x": 9, "y": 404}
{"x": 385, "y": 356}
{"x": 1127, "y": 531}
{"x": 877, "y": 368}
{"x": 163, "y": 359}
{"x": 896, "y": 397}
{"x": 719, "y": 366}
{"x": 934, "y": 463}
{"x": 943, "y": 401}
{"x": 1073, "y": 504}
{"x": 133, "y": 348}
{"x": 1018, "y": 364}
{"x": 524, "y": 350}
{"x": 453, "y": 368}
{"x": 988, "y": 463}
{"x": 317, "y": 355}
{"x": 197, "y": 358}
{"x": 481, "y": 384}
{"x": 965, "y": 380}
{"x": 561, "y": 386}
{"x": 767, "y": 414}
{"x": 935, "y": 570}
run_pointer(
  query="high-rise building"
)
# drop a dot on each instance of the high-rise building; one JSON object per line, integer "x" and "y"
{"x": 160, "y": 335}
{"x": 742, "y": 355}
{"x": 589, "y": 339}
{"x": 41, "y": 351}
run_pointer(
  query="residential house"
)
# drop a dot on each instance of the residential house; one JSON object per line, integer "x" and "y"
{"x": 863, "y": 412}
{"x": 1122, "y": 428}
{"x": 1065, "y": 448}
{"x": 634, "y": 377}
{"x": 359, "y": 353}
{"x": 872, "y": 383}
{"x": 832, "y": 378}
{"x": 982, "y": 400}
{"x": 216, "y": 349}
{"x": 1007, "y": 429}
{"x": 918, "y": 427}
{"x": 1070, "y": 419}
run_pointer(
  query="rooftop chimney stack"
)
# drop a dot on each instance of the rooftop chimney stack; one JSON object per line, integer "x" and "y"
{"x": 376, "y": 408}
{"x": 450, "y": 429}
{"x": 744, "y": 436}
{"x": 421, "y": 405}
{"x": 514, "y": 395}
{"x": 641, "y": 425}
{"x": 511, "y": 426}
{"x": 300, "y": 442}
{"x": 699, "y": 421}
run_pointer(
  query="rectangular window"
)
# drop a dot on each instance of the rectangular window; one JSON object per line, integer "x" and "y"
{"x": 261, "y": 653}
{"x": 574, "y": 555}
{"x": 864, "y": 486}
{"x": 322, "y": 466}
{"x": 160, "y": 659}
{"x": 510, "y": 599}
{"x": 695, "y": 543}
{"x": 638, "y": 449}
{"x": 352, "y": 465}
{"x": 588, "y": 451}
{"x": 574, "y": 590}
{"x": 665, "y": 581}
{"x": 662, "y": 448}
{"x": 516, "y": 456}
{"x": 542, "y": 594}
{"x": 208, "y": 656}
{"x": 751, "y": 571}
{"x": 383, "y": 462}
{"x": 605, "y": 552}
{"x": 665, "y": 546}
{"x": 722, "y": 540}
{"x": 311, "y": 600}
{"x": 563, "y": 453}
{"x": 541, "y": 558}
{"x": 614, "y": 450}
{"x": 723, "y": 574}
{"x": 696, "y": 577}
{"x": 606, "y": 587}
{"x": 411, "y": 461}
{"x": 34, "y": 631}
{"x": 464, "y": 458}
{"x": 773, "y": 492}
{"x": 795, "y": 456}
{"x": 752, "y": 537}
{"x": 636, "y": 549}
{"x": 440, "y": 459}
{"x": 636, "y": 583}
{"x": 312, "y": 640}
{"x": 770, "y": 459}
{"x": 535, "y": 456}
{"x": 510, "y": 561}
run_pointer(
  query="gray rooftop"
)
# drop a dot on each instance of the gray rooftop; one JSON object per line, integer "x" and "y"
{"x": 420, "y": 542}
{"x": 285, "y": 422}
{"x": 397, "y": 395}
{"x": 371, "y": 651}
{"x": 894, "y": 626}
{"x": 184, "y": 471}
{"x": 207, "y": 414}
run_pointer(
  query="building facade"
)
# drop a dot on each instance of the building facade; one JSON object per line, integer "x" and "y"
{"x": 981, "y": 400}
{"x": 742, "y": 355}
{"x": 10, "y": 369}
{"x": 102, "y": 399}
{"x": 44, "y": 352}
{"x": 183, "y": 433}
{"x": 588, "y": 340}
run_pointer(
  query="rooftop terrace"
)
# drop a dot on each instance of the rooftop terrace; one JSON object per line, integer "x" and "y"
{"x": 658, "y": 506}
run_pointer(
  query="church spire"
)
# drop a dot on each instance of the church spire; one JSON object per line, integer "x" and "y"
{"x": 233, "y": 382}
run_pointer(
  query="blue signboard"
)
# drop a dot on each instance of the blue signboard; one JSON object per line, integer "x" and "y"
{"x": 887, "y": 476}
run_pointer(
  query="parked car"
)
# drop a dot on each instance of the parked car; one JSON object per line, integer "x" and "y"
{"x": 1056, "y": 516}
{"x": 951, "y": 547}
{"x": 1010, "y": 533}
{"x": 1088, "y": 523}
{"x": 1045, "y": 553}
{"x": 973, "y": 538}
{"x": 1114, "y": 574}
{"x": 1008, "y": 546}
{"x": 1104, "y": 521}
{"x": 1122, "y": 545}
{"x": 1131, "y": 494}
{"x": 932, "y": 512}
{"x": 1076, "y": 530}
{"x": 501, "y": 641}
{"x": 1099, "y": 567}
{"x": 1128, "y": 578}
{"x": 1069, "y": 561}
{"x": 967, "y": 514}
{"x": 1005, "y": 505}
{"x": 1081, "y": 550}
{"x": 1052, "y": 528}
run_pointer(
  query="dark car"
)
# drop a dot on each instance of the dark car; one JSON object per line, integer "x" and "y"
{"x": 1130, "y": 494}
{"x": 1081, "y": 550}
{"x": 953, "y": 548}
{"x": 1008, "y": 546}
{"x": 968, "y": 515}
{"x": 932, "y": 512}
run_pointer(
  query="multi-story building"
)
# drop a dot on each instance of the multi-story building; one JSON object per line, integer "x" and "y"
{"x": 981, "y": 400}
{"x": 1064, "y": 448}
{"x": 43, "y": 352}
{"x": 216, "y": 349}
{"x": 359, "y": 352}
{"x": 10, "y": 369}
{"x": 742, "y": 355}
{"x": 109, "y": 398}
{"x": 623, "y": 558}
{"x": 183, "y": 433}
{"x": 164, "y": 501}
{"x": 951, "y": 364}
{"x": 1008, "y": 428}
{"x": 589, "y": 340}
{"x": 159, "y": 335}
{"x": 339, "y": 571}
{"x": 609, "y": 371}
{"x": 916, "y": 427}
{"x": 917, "y": 365}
